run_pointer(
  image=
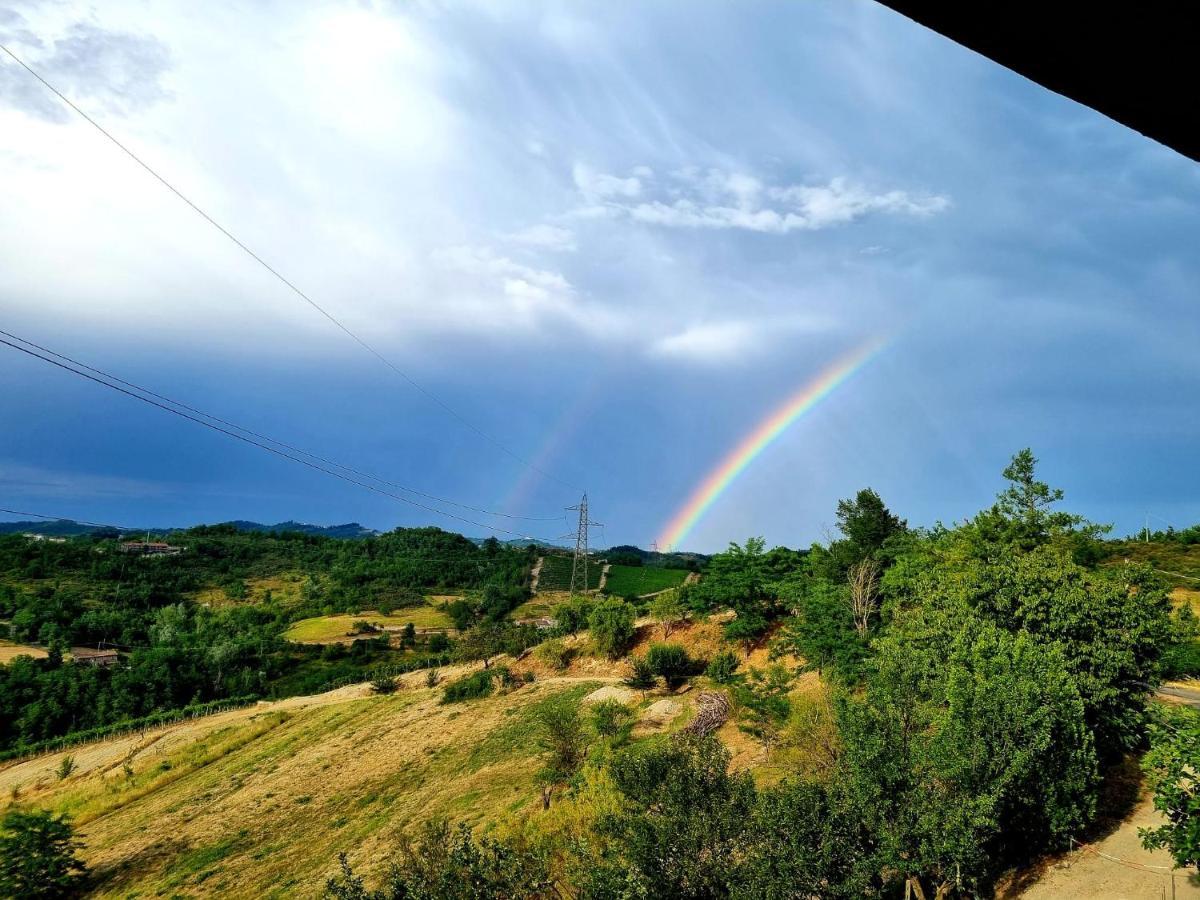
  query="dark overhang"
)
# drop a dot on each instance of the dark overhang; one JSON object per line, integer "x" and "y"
{"x": 1137, "y": 63}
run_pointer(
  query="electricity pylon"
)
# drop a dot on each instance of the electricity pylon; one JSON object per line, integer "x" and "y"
{"x": 579, "y": 565}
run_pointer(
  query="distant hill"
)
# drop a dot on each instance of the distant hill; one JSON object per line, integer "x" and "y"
{"x": 348, "y": 530}
{"x": 56, "y": 528}
{"x": 521, "y": 543}
{"x": 69, "y": 528}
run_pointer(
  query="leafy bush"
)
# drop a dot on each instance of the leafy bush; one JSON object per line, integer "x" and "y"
{"x": 721, "y": 668}
{"x": 438, "y": 643}
{"x": 384, "y": 686}
{"x": 66, "y": 767}
{"x": 611, "y": 623}
{"x": 1173, "y": 765}
{"x": 642, "y": 678}
{"x": 554, "y": 653}
{"x": 432, "y": 677}
{"x": 671, "y": 662}
{"x": 469, "y": 687}
{"x": 610, "y": 717}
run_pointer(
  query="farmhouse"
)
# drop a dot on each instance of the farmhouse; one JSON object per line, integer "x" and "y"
{"x": 150, "y": 548}
{"x": 97, "y": 659}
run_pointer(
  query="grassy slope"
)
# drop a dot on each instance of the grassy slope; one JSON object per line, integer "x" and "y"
{"x": 625, "y": 580}
{"x": 258, "y": 803}
{"x": 1178, "y": 564}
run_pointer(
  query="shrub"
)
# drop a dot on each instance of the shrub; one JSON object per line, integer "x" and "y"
{"x": 432, "y": 676}
{"x": 611, "y": 623}
{"x": 469, "y": 687}
{"x": 383, "y": 685}
{"x": 722, "y": 667}
{"x": 609, "y": 717}
{"x": 66, "y": 767}
{"x": 362, "y": 626}
{"x": 572, "y": 616}
{"x": 439, "y": 643}
{"x": 642, "y": 678}
{"x": 37, "y": 856}
{"x": 671, "y": 662}
{"x": 554, "y": 653}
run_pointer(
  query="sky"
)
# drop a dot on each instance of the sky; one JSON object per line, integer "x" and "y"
{"x": 607, "y": 239}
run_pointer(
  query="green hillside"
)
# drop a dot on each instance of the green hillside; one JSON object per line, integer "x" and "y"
{"x": 625, "y": 581}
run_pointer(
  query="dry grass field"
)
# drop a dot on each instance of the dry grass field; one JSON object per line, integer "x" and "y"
{"x": 335, "y": 629}
{"x": 10, "y": 651}
{"x": 259, "y": 802}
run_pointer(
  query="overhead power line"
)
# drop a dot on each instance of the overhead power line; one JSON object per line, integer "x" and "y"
{"x": 416, "y": 385}
{"x": 254, "y": 441}
{"x": 20, "y": 512}
{"x": 284, "y": 444}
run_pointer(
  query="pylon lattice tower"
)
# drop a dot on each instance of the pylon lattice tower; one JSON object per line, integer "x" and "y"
{"x": 579, "y": 564}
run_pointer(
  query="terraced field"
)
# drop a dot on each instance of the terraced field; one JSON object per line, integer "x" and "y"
{"x": 556, "y": 574}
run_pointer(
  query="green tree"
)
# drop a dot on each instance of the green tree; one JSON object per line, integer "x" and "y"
{"x": 572, "y": 615}
{"x": 37, "y": 856}
{"x": 1023, "y": 515}
{"x": 822, "y": 633}
{"x": 449, "y": 864}
{"x": 561, "y": 738}
{"x": 409, "y": 636}
{"x": 1173, "y": 764}
{"x": 764, "y": 700}
{"x": 611, "y": 624}
{"x": 668, "y": 611}
{"x": 642, "y": 677}
{"x": 970, "y": 751}
{"x": 803, "y": 840}
{"x": 610, "y": 718}
{"x": 867, "y": 524}
{"x": 745, "y": 578}
{"x": 680, "y": 828}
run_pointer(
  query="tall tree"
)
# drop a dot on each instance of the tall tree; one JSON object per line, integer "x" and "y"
{"x": 37, "y": 856}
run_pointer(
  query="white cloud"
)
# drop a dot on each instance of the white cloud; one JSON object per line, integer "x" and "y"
{"x": 489, "y": 292}
{"x": 599, "y": 185}
{"x": 718, "y": 342}
{"x": 720, "y": 200}
{"x": 546, "y": 237}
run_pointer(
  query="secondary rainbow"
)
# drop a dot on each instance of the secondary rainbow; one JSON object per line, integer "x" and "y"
{"x": 753, "y": 444}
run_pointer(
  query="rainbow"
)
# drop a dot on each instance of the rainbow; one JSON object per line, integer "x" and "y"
{"x": 753, "y": 444}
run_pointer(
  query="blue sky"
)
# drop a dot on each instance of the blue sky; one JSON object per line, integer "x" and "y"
{"x": 614, "y": 236}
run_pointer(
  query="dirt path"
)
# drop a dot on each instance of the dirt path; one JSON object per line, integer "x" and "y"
{"x": 1180, "y": 693}
{"x": 1115, "y": 868}
{"x": 536, "y": 574}
{"x": 604, "y": 576}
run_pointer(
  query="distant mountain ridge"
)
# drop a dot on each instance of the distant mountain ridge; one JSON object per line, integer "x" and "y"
{"x": 69, "y": 528}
